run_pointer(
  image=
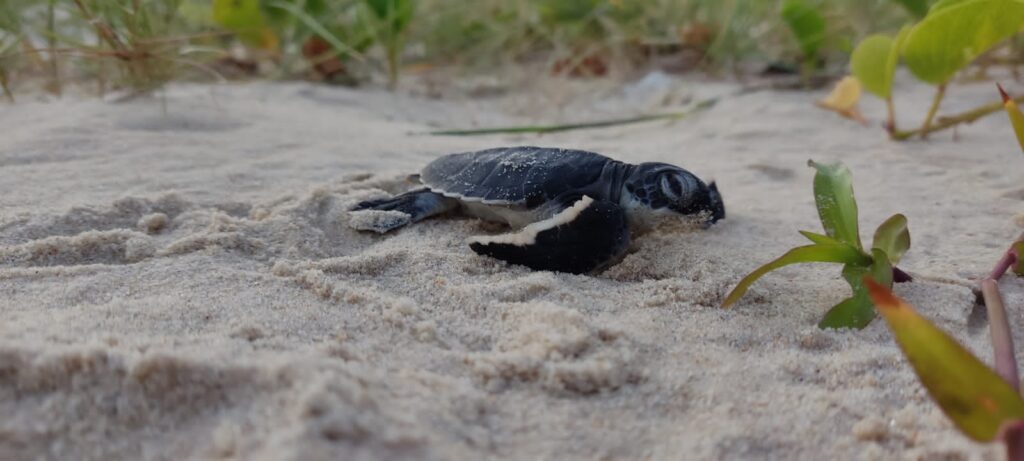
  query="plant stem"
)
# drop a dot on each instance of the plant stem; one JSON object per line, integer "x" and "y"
{"x": 940, "y": 92}
{"x": 1015, "y": 447}
{"x": 3, "y": 85}
{"x": 393, "y": 50}
{"x": 51, "y": 41}
{"x": 890, "y": 122}
{"x": 999, "y": 326}
{"x": 953, "y": 120}
{"x": 578, "y": 126}
{"x": 1013, "y": 438}
{"x": 999, "y": 329}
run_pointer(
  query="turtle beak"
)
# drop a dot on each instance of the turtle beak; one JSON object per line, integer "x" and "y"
{"x": 715, "y": 204}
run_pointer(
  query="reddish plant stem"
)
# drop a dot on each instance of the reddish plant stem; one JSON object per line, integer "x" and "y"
{"x": 1013, "y": 438}
{"x": 1008, "y": 259}
{"x": 999, "y": 329}
{"x": 999, "y": 325}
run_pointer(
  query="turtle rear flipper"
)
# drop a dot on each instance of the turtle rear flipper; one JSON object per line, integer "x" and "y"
{"x": 406, "y": 208}
{"x": 583, "y": 237}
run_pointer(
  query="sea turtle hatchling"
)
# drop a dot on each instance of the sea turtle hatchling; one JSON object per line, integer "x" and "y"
{"x": 572, "y": 210}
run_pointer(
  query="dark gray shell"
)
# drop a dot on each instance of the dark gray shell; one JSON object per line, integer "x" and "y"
{"x": 526, "y": 176}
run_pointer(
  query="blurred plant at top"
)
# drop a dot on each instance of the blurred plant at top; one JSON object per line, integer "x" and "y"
{"x": 389, "y": 22}
{"x": 147, "y": 42}
{"x": 121, "y": 43}
{"x": 950, "y": 36}
{"x": 809, "y": 28}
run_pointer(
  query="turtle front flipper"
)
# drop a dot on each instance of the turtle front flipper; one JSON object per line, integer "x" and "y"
{"x": 585, "y": 236}
{"x": 398, "y": 211}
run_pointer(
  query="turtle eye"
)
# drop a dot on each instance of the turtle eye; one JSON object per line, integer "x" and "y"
{"x": 672, "y": 186}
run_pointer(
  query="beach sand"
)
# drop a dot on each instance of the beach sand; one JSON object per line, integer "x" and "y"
{"x": 178, "y": 280}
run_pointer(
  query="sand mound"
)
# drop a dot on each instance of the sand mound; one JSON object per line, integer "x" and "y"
{"x": 555, "y": 347}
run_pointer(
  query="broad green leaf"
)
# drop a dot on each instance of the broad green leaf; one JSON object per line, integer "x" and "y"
{"x": 856, "y": 311}
{"x": 807, "y": 25}
{"x": 1016, "y": 118}
{"x": 893, "y": 238}
{"x": 869, "y": 63}
{"x": 918, "y": 8}
{"x": 245, "y": 19}
{"x": 973, "y": 396}
{"x": 894, "y": 55}
{"x": 951, "y": 36}
{"x": 875, "y": 59}
{"x": 837, "y": 208}
{"x": 820, "y": 239}
{"x": 841, "y": 253}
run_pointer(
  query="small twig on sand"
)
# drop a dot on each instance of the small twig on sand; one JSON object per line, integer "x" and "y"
{"x": 706, "y": 104}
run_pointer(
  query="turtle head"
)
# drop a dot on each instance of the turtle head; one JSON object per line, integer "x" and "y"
{"x": 664, "y": 187}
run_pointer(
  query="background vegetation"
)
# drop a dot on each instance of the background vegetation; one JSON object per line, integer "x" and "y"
{"x": 141, "y": 44}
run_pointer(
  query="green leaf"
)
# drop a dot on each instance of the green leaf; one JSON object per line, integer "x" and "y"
{"x": 834, "y": 253}
{"x": 837, "y": 208}
{"x": 918, "y": 8}
{"x": 973, "y": 396}
{"x": 856, "y": 311}
{"x": 869, "y": 63}
{"x": 897, "y": 50}
{"x": 395, "y": 13}
{"x": 1016, "y": 117}
{"x": 245, "y": 19}
{"x": 819, "y": 238}
{"x": 943, "y": 4}
{"x": 1018, "y": 265}
{"x": 951, "y": 36}
{"x": 279, "y": 16}
{"x": 874, "y": 62}
{"x": 807, "y": 25}
{"x": 893, "y": 238}
{"x": 852, "y": 312}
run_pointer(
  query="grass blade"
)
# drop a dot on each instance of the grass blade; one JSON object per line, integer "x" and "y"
{"x": 703, "y": 105}
{"x": 339, "y": 46}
